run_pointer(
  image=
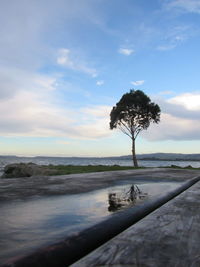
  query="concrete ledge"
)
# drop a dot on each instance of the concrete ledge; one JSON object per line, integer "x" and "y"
{"x": 73, "y": 248}
{"x": 169, "y": 236}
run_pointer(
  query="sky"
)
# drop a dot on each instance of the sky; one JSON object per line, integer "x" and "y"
{"x": 64, "y": 65}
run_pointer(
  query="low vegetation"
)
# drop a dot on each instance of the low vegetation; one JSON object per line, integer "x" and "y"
{"x": 30, "y": 169}
{"x": 16, "y": 170}
{"x": 188, "y": 167}
{"x": 70, "y": 169}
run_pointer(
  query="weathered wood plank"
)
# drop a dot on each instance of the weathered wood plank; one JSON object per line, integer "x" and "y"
{"x": 170, "y": 236}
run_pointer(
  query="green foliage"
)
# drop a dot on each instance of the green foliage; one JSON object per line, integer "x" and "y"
{"x": 133, "y": 113}
{"x": 70, "y": 169}
{"x": 48, "y": 170}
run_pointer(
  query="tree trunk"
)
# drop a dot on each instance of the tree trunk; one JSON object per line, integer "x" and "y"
{"x": 133, "y": 154}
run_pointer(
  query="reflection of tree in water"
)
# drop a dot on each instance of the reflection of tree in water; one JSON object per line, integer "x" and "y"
{"x": 117, "y": 201}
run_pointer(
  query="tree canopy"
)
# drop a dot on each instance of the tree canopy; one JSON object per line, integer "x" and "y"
{"x": 134, "y": 113}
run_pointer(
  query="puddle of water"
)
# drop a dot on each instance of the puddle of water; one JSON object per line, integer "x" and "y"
{"x": 28, "y": 225}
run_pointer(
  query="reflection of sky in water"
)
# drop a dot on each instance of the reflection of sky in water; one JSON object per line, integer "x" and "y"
{"x": 26, "y": 225}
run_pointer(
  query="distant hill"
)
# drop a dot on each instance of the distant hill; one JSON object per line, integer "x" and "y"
{"x": 150, "y": 156}
{"x": 165, "y": 156}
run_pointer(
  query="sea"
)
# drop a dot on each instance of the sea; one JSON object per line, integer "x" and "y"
{"x": 4, "y": 160}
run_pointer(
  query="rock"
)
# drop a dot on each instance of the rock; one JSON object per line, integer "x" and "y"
{"x": 16, "y": 170}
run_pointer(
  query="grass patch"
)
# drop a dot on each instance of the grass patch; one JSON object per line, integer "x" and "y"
{"x": 71, "y": 169}
{"x": 31, "y": 169}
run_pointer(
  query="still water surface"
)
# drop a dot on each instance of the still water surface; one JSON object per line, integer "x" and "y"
{"x": 34, "y": 223}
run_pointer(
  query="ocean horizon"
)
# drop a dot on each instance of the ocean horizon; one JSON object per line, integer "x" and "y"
{"x": 121, "y": 161}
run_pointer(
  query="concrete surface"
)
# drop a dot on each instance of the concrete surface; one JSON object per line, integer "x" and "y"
{"x": 23, "y": 188}
{"x": 169, "y": 236}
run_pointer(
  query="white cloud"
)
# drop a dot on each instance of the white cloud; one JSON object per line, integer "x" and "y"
{"x": 63, "y": 58}
{"x": 137, "y": 83}
{"x": 15, "y": 80}
{"x": 192, "y": 6}
{"x": 166, "y": 47}
{"x": 126, "y": 51}
{"x": 174, "y": 37}
{"x": 180, "y": 119}
{"x": 31, "y": 111}
{"x": 66, "y": 59}
{"x": 173, "y": 128}
{"x": 98, "y": 111}
{"x": 26, "y": 115}
{"x": 99, "y": 83}
{"x": 188, "y": 100}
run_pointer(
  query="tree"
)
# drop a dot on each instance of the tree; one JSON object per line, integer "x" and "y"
{"x": 132, "y": 114}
